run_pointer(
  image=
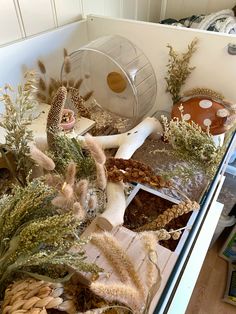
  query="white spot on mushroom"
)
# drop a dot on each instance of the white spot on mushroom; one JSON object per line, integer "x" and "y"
{"x": 205, "y": 103}
{"x": 186, "y": 117}
{"x": 207, "y": 122}
{"x": 222, "y": 113}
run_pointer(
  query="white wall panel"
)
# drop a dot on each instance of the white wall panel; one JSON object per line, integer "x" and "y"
{"x": 214, "y": 5}
{"x": 37, "y": 15}
{"x": 112, "y": 8}
{"x": 9, "y": 26}
{"x": 142, "y": 10}
{"x": 93, "y": 7}
{"x": 68, "y": 11}
{"x": 154, "y": 10}
{"x": 129, "y": 9}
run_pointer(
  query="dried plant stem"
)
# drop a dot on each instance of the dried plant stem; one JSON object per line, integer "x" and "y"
{"x": 119, "y": 292}
{"x": 118, "y": 259}
{"x": 129, "y": 170}
{"x": 169, "y": 214}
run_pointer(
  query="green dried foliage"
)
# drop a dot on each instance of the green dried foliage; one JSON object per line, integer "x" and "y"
{"x": 178, "y": 69}
{"x": 16, "y": 119}
{"x": 191, "y": 143}
{"x": 67, "y": 150}
{"x": 35, "y": 237}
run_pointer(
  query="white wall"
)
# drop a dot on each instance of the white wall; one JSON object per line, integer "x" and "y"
{"x": 24, "y": 18}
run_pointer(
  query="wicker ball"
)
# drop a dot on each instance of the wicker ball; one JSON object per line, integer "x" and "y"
{"x": 36, "y": 297}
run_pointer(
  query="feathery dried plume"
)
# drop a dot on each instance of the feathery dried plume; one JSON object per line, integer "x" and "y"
{"x": 60, "y": 202}
{"x": 71, "y": 173}
{"x": 92, "y": 202}
{"x": 67, "y": 191}
{"x": 41, "y": 97}
{"x": 78, "y": 83}
{"x": 67, "y": 65}
{"x": 79, "y": 211}
{"x": 95, "y": 149}
{"x": 65, "y": 52}
{"x": 41, "y": 159}
{"x": 81, "y": 190}
{"x": 87, "y": 96}
{"x": 42, "y": 84}
{"x": 119, "y": 292}
{"x": 150, "y": 243}
{"x": 101, "y": 176}
{"x": 42, "y": 67}
{"x": 118, "y": 258}
{"x": 50, "y": 90}
{"x": 71, "y": 83}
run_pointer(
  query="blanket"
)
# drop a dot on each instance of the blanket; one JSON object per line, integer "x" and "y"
{"x": 222, "y": 21}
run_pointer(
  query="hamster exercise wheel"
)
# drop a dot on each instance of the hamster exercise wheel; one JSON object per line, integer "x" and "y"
{"x": 119, "y": 74}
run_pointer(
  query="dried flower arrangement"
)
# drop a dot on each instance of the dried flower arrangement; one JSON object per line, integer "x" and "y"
{"x": 36, "y": 237}
{"x": 191, "y": 143}
{"x": 179, "y": 69}
{"x": 48, "y": 86}
{"x": 16, "y": 119}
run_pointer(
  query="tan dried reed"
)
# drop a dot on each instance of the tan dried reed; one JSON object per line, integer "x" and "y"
{"x": 42, "y": 67}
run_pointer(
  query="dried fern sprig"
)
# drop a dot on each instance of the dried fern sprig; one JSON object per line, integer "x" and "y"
{"x": 178, "y": 69}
